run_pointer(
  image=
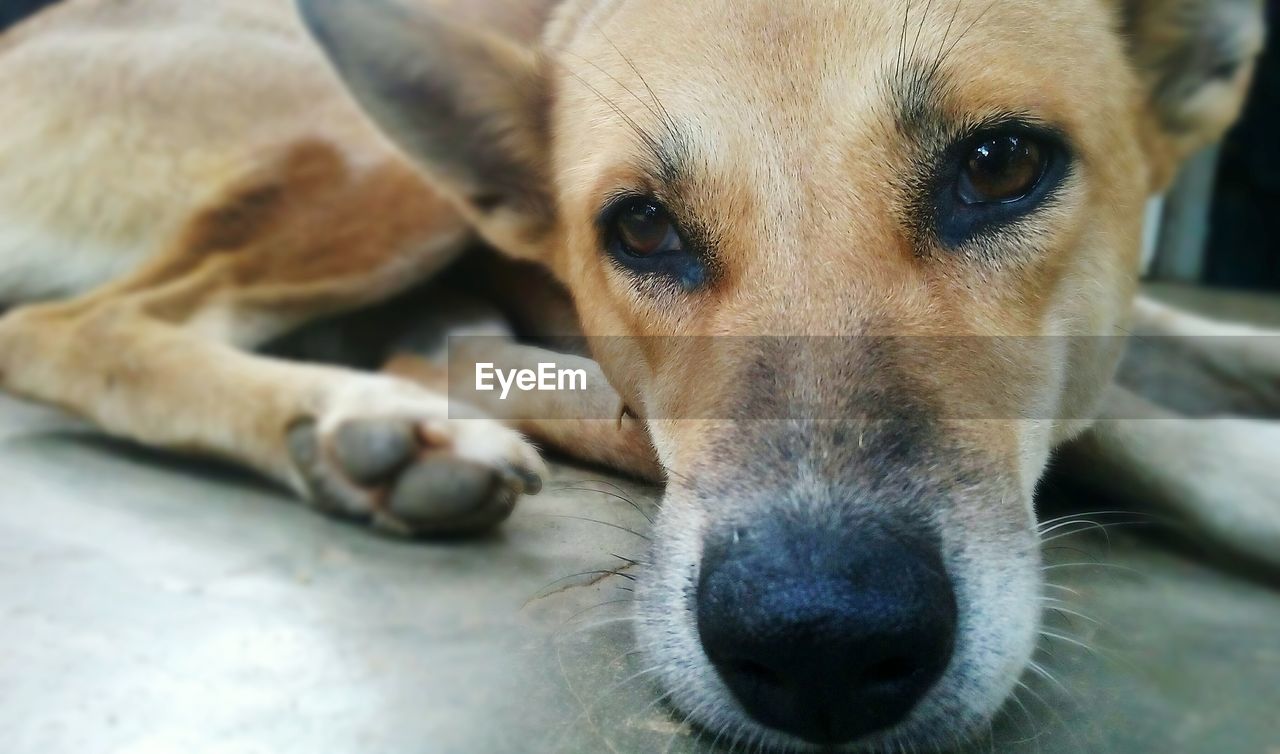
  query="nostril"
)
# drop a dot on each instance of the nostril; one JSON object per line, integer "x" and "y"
{"x": 757, "y": 673}
{"x": 891, "y": 671}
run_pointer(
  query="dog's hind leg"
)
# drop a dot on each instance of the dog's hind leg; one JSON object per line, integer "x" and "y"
{"x": 1217, "y": 477}
{"x": 1202, "y": 367}
{"x": 156, "y": 357}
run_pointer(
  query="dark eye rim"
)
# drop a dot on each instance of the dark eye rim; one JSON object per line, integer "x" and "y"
{"x": 685, "y": 266}
{"x": 957, "y": 222}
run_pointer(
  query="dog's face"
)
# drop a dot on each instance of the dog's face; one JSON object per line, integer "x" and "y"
{"x": 776, "y": 218}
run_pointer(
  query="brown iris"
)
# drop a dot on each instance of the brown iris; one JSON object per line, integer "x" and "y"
{"x": 644, "y": 229}
{"x": 1002, "y": 169}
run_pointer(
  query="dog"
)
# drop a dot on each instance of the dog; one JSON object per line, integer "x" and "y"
{"x": 850, "y": 271}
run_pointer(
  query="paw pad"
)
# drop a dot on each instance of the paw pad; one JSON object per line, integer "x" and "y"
{"x": 406, "y": 480}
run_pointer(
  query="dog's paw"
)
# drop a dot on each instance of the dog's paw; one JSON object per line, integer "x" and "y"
{"x": 389, "y": 453}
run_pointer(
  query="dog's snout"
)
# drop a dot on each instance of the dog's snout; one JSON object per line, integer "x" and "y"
{"x": 828, "y": 636}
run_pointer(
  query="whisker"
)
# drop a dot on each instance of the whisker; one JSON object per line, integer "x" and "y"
{"x": 924, "y": 17}
{"x": 595, "y": 521}
{"x": 973, "y": 24}
{"x": 902, "y": 43}
{"x": 1061, "y": 605}
{"x": 587, "y": 628}
{"x": 608, "y": 695}
{"x": 1043, "y": 525}
{"x": 644, "y": 135}
{"x": 1062, "y": 588}
{"x": 1104, "y": 529}
{"x": 941, "y": 56}
{"x": 628, "y": 561}
{"x": 1040, "y": 670}
{"x": 1053, "y": 711}
{"x": 1069, "y": 612}
{"x": 1036, "y": 735}
{"x": 721, "y": 729}
{"x": 946, "y": 34}
{"x": 1068, "y": 639}
{"x": 668, "y": 121}
{"x": 1072, "y": 525}
{"x": 685, "y": 722}
{"x": 1089, "y": 557}
{"x": 659, "y": 699}
{"x": 1082, "y": 526}
{"x": 570, "y": 577}
{"x": 604, "y": 483}
{"x": 615, "y": 80}
{"x": 1107, "y": 566}
{"x": 628, "y": 653}
{"x": 615, "y": 495}
{"x": 581, "y": 613}
{"x": 683, "y": 477}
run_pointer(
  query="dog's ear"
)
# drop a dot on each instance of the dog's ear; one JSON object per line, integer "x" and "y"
{"x": 467, "y": 105}
{"x": 1195, "y": 59}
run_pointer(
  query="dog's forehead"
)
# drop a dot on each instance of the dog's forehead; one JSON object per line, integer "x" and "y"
{"x": 775, "y": 82}
{"x": 741, "y": 26}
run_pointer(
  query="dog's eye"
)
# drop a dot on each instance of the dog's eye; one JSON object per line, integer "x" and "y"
{"x": 994, "y": 178}
{"x": 643, "y": 229}
{"x": 1002, "y": 169}
{"x": 644, "y": 238}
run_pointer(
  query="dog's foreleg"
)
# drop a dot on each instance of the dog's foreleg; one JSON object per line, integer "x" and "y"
{"x": 368, "y": 446}
{"x": 156, "y": 358}
{"x": 1219, "y": 477}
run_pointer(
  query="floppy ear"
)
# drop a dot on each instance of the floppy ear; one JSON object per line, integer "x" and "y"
{"x": 1195, "y": 59}
{"x": 467, "y": 105}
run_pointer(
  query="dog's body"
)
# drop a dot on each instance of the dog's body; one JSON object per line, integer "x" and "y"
{"x": 181, "y": 182}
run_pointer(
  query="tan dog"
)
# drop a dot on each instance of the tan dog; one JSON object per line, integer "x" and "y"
{"x": 832, "y": 183}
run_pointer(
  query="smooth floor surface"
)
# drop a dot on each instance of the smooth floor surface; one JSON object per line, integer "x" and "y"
{"x": 155, "y": 606}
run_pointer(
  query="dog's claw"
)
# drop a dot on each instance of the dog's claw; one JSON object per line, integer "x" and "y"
{"x": 532, "y": 481}
{"x": 526, "y": 481}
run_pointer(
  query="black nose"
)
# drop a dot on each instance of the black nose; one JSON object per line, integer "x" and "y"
{"x": 826, "y": 635}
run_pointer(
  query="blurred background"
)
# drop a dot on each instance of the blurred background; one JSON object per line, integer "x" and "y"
{"x": 1220, "y": 225}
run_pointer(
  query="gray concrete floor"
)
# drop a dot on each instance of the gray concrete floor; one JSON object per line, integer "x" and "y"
{"x": 155, "y": 606}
